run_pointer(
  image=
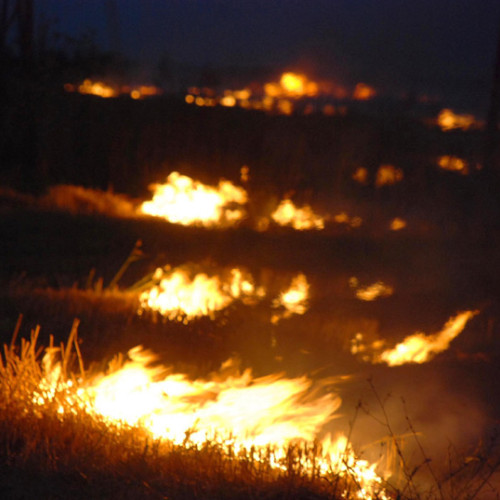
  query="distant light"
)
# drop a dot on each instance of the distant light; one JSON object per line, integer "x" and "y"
{"x": 363, "y": 92}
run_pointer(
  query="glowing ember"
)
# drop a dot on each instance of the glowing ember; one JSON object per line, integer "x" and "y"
{"x": 397, "y": 224}
{"x": 454, "y": 164}
{"x": 96, "y": 88}
{"x": 363, "y": 92}
{"x": 418, "y": 348}
{"x": 387, "y": 175}
{"x": 183, "y": 200}
{"x": 287, "y": 214}
{"x": 343, "y": 218}
{"x": 144, "y": 91}
{"x": 286, "y": 96}
{"x": 244, "y": 173}
{"x": 360, "y": 175}
{"x": 177, "y": 296}
{"x": 371, "y": 292}
{"x": 102, "y": 89}
{"x": 448, "y": 120}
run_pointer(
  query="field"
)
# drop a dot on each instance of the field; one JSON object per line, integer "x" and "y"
{"x": 431, "y": 424}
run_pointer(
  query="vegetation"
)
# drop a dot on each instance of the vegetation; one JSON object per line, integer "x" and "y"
{"x": 61, "y": 260}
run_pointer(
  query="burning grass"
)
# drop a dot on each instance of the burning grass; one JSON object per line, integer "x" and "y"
{"x": 58, "y": 441}
{"x": 53, "y": 426}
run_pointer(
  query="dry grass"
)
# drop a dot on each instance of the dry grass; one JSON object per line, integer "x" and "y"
{"x": 44, "y": 454}
{"x": 47, "y": 454}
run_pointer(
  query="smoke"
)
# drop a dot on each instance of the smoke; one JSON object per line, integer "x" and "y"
{"x": 428, "y": 419}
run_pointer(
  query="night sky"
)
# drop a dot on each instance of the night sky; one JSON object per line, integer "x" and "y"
{"x": 412, "y": 45}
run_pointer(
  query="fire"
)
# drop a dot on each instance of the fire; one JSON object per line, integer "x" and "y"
{"x": 105, "y": 90}
{"x": 178, "y": 296}
{"x": 294, "y": 300}
{"x": 230, "y": 408}
{"x": 360, "y": 175}
{"x": 371, "y": 292}
{"x": 183, "y": 200}
{"x": 287, "y": 214}
{"x": 292, "y": 85}
{"x": 453, "y": 164}
{"x": 448, "y": 120}
{"x": 291, "y": 93}
{"x": 363, "y": 92}
{"x": 397, "y": 224}
{"x": 144, "y": 91}
{"x": 417, "y": 348}
{"x": 343, "y": 218}
{"x": 95, "y": 88}
{"x": 387, "y": 175}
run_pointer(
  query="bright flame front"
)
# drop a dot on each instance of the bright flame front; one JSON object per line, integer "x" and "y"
{"x": 178, "y": 296}
{"x": 230, "y": 408}
{"x": 183, "y": 200}
{"x": 287, "y": 214}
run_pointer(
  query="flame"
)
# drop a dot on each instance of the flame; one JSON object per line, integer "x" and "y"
{"x": 230, "y": 408}
{"x": 363, "y": 92}
{"x": 144, "y": 91}
{"x": 294, "y": 300}
{"x": 245, "y": 173}
{"x": 371, "y": 292}
{"x": 292, "y": 85}
{"x": 397, "y": 224}
{"x": 448, "y": 120}
{"x": 177, "y": 296}
{"x": 102, "y": 89}
{"x": 280, "y": 96}
{"x": 287, "y": 214}
{"x": 97, "y": 88}
{"x": 361, "y": 175}
{"x": 387, "y": 175}
{"x": 343, "y": 218}
{"x": 418, "y": 348}
{"x": 454, "y": 164}
{"x": 183, "y": 200}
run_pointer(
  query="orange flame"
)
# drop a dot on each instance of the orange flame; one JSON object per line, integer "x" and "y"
{"x": 363, "y": 92}
{"x": 230, "y": 408}
{"x": 417, "y": 348}
{"x": 448, "y": 120}
{"x": 97, "y": 88}
{"x": 360, "y": 175}
{"x": 294, "y": 300}
{"x": 343, "y": 218}
{"x": 177, "y": 296}
{"x": 370, "y": 292}
{"x": 397, "y": 224}
{"x": 183, "y": 200}
{"x": 387, "y": 175}
{"x": 453, "y": 164}
{"x": 105, "y": 90}
{"x": 287, "y": 214}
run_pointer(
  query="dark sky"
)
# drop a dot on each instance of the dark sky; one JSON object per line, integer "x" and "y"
{"x": 405, "y": 42}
